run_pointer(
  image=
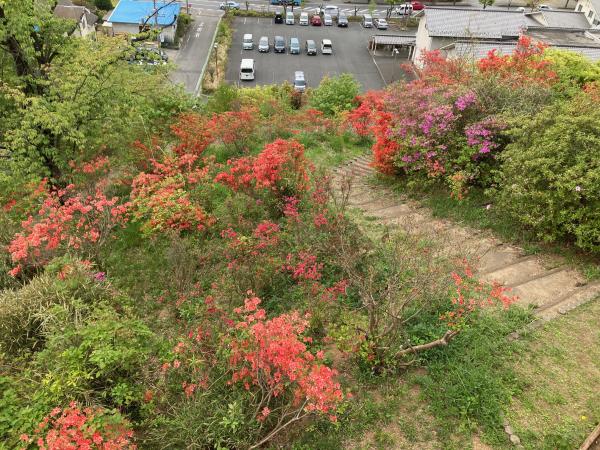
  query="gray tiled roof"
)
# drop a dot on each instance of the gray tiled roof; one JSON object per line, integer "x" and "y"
{"x": 74, "y": 13}
{"x": 561, "y": 19}
{"x": 478, "y": 50}
{"x": 480, "y": 23}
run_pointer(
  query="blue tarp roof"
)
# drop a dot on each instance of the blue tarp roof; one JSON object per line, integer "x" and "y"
{"x": 137, "y": 11}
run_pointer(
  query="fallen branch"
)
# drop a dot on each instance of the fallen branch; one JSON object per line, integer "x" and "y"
{"x": 443, "y": 341}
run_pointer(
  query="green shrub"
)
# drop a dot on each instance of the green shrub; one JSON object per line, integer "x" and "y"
{"x": 103, "y": 358}
{"x": 550, "y": 175}
{"x": 104, "y": 5}
{"x": 27, "y": 314}
{"x": 335, "y": 94}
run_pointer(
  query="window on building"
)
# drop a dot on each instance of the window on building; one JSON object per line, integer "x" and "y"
{"x": 590, "y": 14}
{"x": 596, "y": 22}
{"x": 579, "y": 7}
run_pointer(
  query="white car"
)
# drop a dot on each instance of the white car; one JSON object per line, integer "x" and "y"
{"x": 380, "y": 24}
{"x": 263, "y": 45}
{"x": 326, "y": 47}
{"x": 331, "y": 10}
{"x": 247, "y": 43}
{"x": 327, "y": 20}
{"x": 229, "y": 5}
{"x": 303, "y": 19}
{"x": 404, "y": 10}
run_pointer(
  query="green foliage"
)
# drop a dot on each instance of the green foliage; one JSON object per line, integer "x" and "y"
{"x": 335, "y": 94}
{"x": 104, "y": 357}
{"x": 104, "y": 5}
{"x": 573, "y": 69}
{"x": 28, "y": 314}
{"x": 550, "y": 176}
{"x": 470, "y": 383}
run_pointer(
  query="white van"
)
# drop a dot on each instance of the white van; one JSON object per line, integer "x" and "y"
{"x": 367, "y": 21}
{"x": 247, "y": 43}
{"x": 326, "y": 47}
{"x": 247, "y": 69}
{"x": 303, "y": 19}
{"x": 289, "y": 18}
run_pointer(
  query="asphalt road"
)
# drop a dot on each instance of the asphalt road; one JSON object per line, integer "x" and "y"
{"x": 194, "y": 51}
{"x": 350, "y": 54}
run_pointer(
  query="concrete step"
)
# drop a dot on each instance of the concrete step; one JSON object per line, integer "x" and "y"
{"x": 571, "y": 300}
{"x": 514, "y": 272}
{"x": 546, "y": 288}
{"x": 497, "y": 257}
{"x": 377, "y": 204}
{"x": 390, "y": 212}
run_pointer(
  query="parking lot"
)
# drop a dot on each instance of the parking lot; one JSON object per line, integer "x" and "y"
{"x": 350, "y": 53}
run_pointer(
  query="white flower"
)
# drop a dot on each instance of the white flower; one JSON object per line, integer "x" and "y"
{"x": 578, "y": 188}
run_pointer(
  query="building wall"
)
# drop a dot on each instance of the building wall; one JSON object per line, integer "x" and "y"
{"x": 586, "y": 7}
{"x": 132, "y": 28}
{"x": 422, "y": 41}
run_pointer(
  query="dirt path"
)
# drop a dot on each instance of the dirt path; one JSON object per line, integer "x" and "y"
{"x": 549, "y": 285}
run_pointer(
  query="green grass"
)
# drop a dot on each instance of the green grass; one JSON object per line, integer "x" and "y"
{"x": 560, "y": 370}
{"x": 327, "y": 150}
{"x": 473, "y": 211}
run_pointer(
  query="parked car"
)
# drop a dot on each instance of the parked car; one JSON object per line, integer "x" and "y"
{"x": 279, "y": 44}
{"x": 289, "y": 18}
{"x": 303, "y": 19}
{"x": 316, "y": 21}
{"x": 278, "y": 18}
{"x": 247, "y": 69}
{"x": 294, "y": 46}
{"x": 327, "y": 20}
{"x": 543, "y": 7}
{"x": 405, "y": 9}
{"x": 229, "y": 4}
{"x": 311, "y": 47}
{"x": 417, "y": 6}
{"x": 521, "y": 9}
{"x": 263, "y": 45}
{"x": 380, "y": 24}
{"x": 247, "y": 43}
{"x": 332, "y": 10}
{"x": 299, "y": 81}
{"x": 326, "y": 47}
{"x": 367, "y": 21}
{"x": 342, "y": 20}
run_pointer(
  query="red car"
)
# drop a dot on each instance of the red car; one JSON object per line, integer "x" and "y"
{"x": 417, "y": 5}
{"x": 316, "y": 21}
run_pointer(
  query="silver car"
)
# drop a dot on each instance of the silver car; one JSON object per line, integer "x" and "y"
{"x": 263, "y": 45}
{"x": 327, "y": 20}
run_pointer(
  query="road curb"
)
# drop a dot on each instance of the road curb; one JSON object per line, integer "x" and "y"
{"x": 198, "y": 90}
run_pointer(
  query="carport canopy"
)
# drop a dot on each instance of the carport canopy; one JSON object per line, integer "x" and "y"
{"x": 392, "y": 41}
{"x": 388, "y": 39}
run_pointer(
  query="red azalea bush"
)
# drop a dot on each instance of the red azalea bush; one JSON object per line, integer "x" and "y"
{"x": 281, "y": 167}
{"x": 66, "y": 219}
{"x": 266, "y": 363}
{"x": 80, "y": 428}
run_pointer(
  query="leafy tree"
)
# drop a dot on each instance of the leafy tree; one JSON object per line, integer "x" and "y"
{"x": 486, "y": 3}
{"x": 103, "y": 4}
{"x": 550, "y": 177}
{"x": 335, "y": 94}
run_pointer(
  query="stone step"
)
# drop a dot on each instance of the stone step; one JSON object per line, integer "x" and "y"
{"x": 354, "y": 170}
{"x": 362, "y": 199}
{"x": 547, "y": 288}
{"x": 364, "y": 165}
{"x": 514, "y": 272}
{"x": 497, "y": 257}
{"x": 571, "y": 300}
{"x": 390, "y": 212}
{"x": 380, "y": 203}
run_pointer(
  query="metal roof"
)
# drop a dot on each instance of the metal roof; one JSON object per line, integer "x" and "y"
{"x": 387, "y": 39}
{"x": 479, "y": 23}
{"x": 137, "y": 11}
{"x": 560, "y": 19}
{"x": 479, "y": 50}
